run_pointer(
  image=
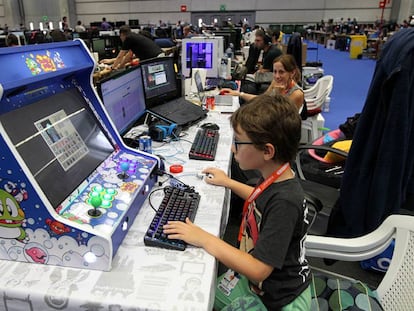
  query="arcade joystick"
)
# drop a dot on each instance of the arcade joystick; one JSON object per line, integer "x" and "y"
{"x": 124, "y": 167}
{"x": 95, "y": 201}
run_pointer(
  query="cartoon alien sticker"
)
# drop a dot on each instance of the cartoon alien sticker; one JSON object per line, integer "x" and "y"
{"x": 11, "y": 217}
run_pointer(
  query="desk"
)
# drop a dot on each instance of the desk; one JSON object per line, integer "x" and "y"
{"x": 142, "y": 277}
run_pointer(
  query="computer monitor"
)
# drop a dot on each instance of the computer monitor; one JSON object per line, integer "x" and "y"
{"x": 288, "y": 29}
{"x": 95, "y": 24}
{"x": 133, "y": 23}
{"x": 202, "y": 52}
{"x": 160, "y": 81}
{"x": 120, "y": 23}
{"x": 98, "y": 46}
{"x": 123, "y": 97}
{"x": 67, "y": 138}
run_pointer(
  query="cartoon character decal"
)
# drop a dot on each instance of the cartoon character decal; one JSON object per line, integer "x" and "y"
{"x": 12, "y": 217}
{"x": 57, "y": 227}
{"x": 19, "y": 194}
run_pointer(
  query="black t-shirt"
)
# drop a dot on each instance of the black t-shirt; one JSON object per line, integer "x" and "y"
{"x": 269, "y": 57}
{"x": 281, "y": 216}
{"x": 141, "y": 46}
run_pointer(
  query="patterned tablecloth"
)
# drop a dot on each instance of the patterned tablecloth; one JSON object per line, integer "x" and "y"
{"x": 142, "y": 278}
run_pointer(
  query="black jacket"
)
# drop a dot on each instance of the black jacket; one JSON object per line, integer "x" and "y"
{"x": 378, "y": 179}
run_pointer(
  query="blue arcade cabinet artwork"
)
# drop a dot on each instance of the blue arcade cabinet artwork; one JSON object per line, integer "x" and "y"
{"x": 69, "y": 187}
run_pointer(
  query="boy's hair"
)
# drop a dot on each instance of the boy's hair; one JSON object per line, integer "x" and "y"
{"x": 271, "y": 119}
{"x": 125, "y": 29}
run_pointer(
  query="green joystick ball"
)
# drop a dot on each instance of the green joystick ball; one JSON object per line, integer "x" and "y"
{"x": 95, "y": 201}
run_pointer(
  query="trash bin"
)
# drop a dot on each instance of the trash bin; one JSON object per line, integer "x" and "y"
{"x": 358, "y": 44}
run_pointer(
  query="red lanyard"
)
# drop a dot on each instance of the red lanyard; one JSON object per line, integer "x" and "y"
{"x": 258, "y": 190}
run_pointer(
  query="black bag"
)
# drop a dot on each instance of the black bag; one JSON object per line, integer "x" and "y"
{"x": 349, "y": 126}
{"x": 239, "y": 72}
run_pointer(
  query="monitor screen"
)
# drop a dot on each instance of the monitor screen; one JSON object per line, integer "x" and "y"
{"x": 202, "y": 52}
{"x": 60, "y": 140}
{"x": 288, "y": 29}
{"x": 123, "y": 98}
{"x": 119, "y": 24}
{"x": 98, "y": 46}
{"x": 160, "y": 82}
{"x": 133, "y": 23}
{"x": 199, "y": 55}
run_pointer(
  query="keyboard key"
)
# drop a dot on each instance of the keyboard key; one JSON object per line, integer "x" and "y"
{"x": 177, "y": 204}
{"x": 204, "y": 146}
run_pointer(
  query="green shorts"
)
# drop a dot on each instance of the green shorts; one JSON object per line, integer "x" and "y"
{"x": 233, "y": 293}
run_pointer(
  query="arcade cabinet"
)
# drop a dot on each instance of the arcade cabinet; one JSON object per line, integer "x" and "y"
{"x": 69, "y": 187}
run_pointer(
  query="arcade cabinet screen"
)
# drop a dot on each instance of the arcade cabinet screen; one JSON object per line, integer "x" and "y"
{"x": 123, "y": 97}
{"x": 199, "y": 55}
{"x": 159, "y": 80}
{"x": 60, "y": 141}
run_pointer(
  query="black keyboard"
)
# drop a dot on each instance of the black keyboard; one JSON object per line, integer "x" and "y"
{"x": 214, "y": 82}
{"x": 176, "y": 205}
{"x": 204, "y": 146}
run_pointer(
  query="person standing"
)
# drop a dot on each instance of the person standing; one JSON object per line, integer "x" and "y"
{"x": 105, "y": 25}
{"x": 65, "y": 24}
{"x": 141, "y": 46}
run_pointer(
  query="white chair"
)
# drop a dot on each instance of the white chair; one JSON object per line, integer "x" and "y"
{"x": 315, "y": 97}
{"x": 396, "y": 289}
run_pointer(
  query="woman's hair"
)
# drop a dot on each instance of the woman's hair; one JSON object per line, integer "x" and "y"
{"x": 271, "y": 119}
{"x": 288, "y": 62}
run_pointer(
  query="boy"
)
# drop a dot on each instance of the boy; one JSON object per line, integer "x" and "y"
{"x": 273, "y": 230}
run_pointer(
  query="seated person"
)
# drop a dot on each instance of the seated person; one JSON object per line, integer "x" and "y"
{"x": 252, "y": 59}
{"x": 263, "y": 42}
{"x": 286, "y": 74}
{"x": 270, "y": 266}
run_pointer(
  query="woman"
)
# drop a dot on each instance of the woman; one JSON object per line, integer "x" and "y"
{"x": 285, "y": 76}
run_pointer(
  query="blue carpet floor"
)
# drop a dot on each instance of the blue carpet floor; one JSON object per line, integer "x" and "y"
{"x": 352, "y": 78}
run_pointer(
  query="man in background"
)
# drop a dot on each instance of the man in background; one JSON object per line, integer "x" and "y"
{"x": 105, "y": 25}
{"x": 133, "y": 44}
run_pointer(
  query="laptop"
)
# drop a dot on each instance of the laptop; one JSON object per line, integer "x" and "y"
{"x": 219, "y": 100}
{"x": 162, "y": 96}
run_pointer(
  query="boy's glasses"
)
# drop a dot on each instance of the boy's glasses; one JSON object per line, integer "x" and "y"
{"x": 237, "y": 143}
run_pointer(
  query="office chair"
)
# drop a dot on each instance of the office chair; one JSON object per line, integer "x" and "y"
{"x": 315, "y": 97}
{"x": 320, "y": 181}
{"x": 395, "y": 292}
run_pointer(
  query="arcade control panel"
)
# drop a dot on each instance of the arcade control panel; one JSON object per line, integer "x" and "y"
{"x": 113, "y": 195}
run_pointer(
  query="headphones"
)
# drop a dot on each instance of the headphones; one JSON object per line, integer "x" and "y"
{"x": 159, "y": 132}
{"x": 267, "y": 38}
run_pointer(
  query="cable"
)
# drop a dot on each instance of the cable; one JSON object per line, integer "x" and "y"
{"x": 149, "y": 198}
{"x": 174, "y": 181}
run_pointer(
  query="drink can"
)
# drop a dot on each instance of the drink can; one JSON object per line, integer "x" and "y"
{"x": 145, "y": 143}
{"x": 210, "y": 102}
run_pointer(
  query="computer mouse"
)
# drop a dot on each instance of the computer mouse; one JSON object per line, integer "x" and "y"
{"x": 210, "y": 126}
{"x": 224, "y": 92}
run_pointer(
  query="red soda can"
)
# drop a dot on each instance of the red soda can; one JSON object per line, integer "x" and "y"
{"x": 210, "y": 102}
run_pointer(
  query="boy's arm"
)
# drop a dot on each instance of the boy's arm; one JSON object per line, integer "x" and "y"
{"x": 244, "y": 263}
{"x": 242, "y": 190}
